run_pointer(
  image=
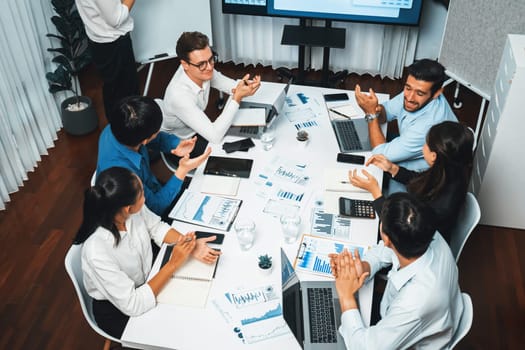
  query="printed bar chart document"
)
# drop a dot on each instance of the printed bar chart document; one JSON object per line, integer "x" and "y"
{"x": 313, "y": 254}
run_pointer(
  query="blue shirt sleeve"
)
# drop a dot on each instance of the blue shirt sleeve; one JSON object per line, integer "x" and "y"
{"x": 160, "y": 200}
{"x": 164, "y": 142}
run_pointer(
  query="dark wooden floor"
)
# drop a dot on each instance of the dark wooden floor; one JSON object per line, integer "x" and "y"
{"x": 39, "y": 309}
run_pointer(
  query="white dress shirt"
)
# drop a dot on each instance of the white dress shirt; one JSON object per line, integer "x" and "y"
{"x": 421, "y": 306}
{"x": 105, "y": 20}
{"x": 184, "y": 104}
{"x": 119, "y": 273}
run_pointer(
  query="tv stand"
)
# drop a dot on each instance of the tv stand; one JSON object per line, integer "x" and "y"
{"x": 326, "y": 37}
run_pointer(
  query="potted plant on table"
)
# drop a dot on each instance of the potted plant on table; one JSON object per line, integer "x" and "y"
{"x": 265, "y": 263}
{"x": 78, "y": 114}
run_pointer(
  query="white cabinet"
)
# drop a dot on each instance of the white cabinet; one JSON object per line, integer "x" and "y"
{"x": 498, "y": 177}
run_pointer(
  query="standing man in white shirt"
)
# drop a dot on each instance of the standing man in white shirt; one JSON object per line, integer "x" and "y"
{"x": 187, "y": 94}
{"x": 422, "y": 304}
{"x": 108, "y": 25}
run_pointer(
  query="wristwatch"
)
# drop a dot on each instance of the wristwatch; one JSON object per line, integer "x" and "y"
{"x": 369, "y": 117}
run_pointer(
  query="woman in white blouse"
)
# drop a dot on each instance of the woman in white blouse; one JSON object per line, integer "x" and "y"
{"x": 116, "y": 234}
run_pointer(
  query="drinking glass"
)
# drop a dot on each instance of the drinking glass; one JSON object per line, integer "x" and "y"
{"x": 290, "y": 224}
{"x": 268, "y": 138}
{"x": 245, "y": 229}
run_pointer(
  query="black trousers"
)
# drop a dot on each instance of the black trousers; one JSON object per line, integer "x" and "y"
{"x": 116, "y": 64}
{"x": 109, "y": 318}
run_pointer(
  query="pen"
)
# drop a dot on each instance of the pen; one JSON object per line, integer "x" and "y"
{"x": 339, "y": 113}
{"x": 187, "y": 239}
{"x": 346, "y": 182}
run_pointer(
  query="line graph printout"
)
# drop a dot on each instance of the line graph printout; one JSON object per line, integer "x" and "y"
{"x": 206, "y": 210}
{"x": 257, "y": 312}
{"x": 313, "y": 254}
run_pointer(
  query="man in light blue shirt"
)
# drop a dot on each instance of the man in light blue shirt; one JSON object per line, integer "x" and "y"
{"x": 422, "y": 304}
{"x": 135, "y": 123}
{"x": 420, "y": 106}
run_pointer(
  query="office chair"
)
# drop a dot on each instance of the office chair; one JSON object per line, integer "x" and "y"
{"x": 465, "y": 322}
{"x": 468, "y": 219}
{"x": 93, "y": 178}
{"x": 74, "y": 270}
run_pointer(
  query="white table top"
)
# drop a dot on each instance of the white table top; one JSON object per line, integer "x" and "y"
{"x": 170, "y": 326}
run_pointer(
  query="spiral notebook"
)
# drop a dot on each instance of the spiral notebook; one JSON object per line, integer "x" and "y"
{"x": 190, "y": 284}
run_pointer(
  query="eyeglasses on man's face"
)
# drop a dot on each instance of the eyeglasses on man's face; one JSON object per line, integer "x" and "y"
{"x": 203, "y": 64}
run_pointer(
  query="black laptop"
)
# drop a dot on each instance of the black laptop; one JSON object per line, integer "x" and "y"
{"x": 311, "y": 310}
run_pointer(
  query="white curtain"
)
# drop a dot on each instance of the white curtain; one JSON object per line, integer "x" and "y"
{"x": 29, "y": 117}
{"x": 370, "y": 48}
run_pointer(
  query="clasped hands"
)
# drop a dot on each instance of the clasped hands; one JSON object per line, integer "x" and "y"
{"x": 350, "y": 274}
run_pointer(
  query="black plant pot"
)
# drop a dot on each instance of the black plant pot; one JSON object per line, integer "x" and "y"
{"x": 79, "y": 122}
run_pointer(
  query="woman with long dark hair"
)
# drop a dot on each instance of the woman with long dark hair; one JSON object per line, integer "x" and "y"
{"x": 116, "y": 234}
{"x": 448, "y": 152}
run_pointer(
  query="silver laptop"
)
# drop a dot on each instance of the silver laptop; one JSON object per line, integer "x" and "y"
{"x": 352, "y": 134}
{"x": 273, "y": 109}
{"x": 311, "y": 310}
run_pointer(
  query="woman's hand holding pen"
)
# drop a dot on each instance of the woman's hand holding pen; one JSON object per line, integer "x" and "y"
{"x": 182, "y": 249}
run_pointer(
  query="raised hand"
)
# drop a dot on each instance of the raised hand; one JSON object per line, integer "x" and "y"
{"x": 368, "y": 102}
{"x": 380, "y": 161}
{"x": 246, "y": 87}
{"x": 187, "y": 164}
{"x": 185, "y": 147}
{"x": 367, "y": 182}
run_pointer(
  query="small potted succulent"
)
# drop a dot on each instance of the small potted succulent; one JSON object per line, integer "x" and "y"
{"x": 265, "y": 263}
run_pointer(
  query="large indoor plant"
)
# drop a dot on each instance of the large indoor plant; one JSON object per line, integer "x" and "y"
{"x": 71, "y": 56}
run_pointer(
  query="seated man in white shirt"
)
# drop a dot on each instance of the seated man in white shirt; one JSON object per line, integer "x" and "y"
{"x": 422, "y": 304}
{"x": 187, "y": 94}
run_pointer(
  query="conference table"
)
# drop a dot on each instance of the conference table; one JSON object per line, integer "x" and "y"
{"x": 179, "y": 327}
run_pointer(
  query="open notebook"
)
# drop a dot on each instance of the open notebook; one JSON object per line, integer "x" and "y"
{"x": 190, "y": 284}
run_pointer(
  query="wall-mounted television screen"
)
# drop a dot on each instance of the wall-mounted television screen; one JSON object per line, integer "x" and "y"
{"x": 401, "y": 12}
{"x": 245, "y": 7}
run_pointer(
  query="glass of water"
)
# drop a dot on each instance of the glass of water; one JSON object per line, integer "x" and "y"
{"x": 290, "y": 224}
{"x": 245, "y": 229}
{"x": 268, "y": 138}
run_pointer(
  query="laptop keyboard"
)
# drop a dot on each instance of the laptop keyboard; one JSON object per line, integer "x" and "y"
{"x": 322, "y": 318}
{"x": 254, "y": 130}
{"x": 347, "y": 135}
